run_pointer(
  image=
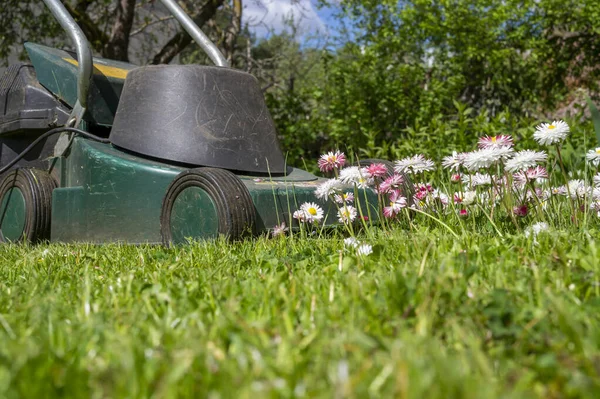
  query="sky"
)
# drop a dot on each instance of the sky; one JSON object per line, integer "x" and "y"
{"x": 266, "y": 16}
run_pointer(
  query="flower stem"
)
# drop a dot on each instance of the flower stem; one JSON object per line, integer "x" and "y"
{"x": 562, "y": 167}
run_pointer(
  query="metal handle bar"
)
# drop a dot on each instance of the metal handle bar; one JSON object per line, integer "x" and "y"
{"x": 196, "y": 33}
{"x": 84, "y": 56}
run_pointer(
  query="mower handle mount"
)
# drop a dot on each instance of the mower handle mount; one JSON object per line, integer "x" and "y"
{"x": 84, "y": 57}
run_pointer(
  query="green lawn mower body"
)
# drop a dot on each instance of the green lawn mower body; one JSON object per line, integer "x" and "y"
{"x": 189, "y": 152}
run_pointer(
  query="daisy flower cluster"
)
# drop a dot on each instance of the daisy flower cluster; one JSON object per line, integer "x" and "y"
{"x": 495, "y": 178}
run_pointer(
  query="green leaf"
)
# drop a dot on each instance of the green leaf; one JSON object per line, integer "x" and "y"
{"x": 595, "y": 117}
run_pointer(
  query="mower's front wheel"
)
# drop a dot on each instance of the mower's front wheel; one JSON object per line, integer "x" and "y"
{"x": 26, "y": 205}
{"x": 205, "y": 203}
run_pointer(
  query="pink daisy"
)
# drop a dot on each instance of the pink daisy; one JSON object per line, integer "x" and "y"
{"x": 377, "y": 170}
{"x": 397, "y": 203}
{"x": 279, "y": 230}
{"x": 520, "y": 210}
{"x": 502, "y": 140}
{"x": 391, "y": 183}
{"x": 531, "y": 174}
{"x": 331, "y": 160}
{"x": 463, "y": 213}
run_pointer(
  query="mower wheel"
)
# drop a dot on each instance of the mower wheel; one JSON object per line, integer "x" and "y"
{"x": 204, "y": 203}
{"x": 408, "y": 188}
{"x": 25, "y": 205}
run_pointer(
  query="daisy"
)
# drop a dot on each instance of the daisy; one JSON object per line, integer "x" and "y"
{"x": 520, "y": 210}
{"x": 532, "y": 174}
{"x": 562, "y": 190}
{"x": 439, "y": 196}
{"x": 480, "y": 179}
{"x": 300, "y": 215}
{"x": 595, "y": 206}
{"x": 394, "y": 182}
{"x": 351, "y": 242}
{"x": 463, "y": 213}
{"x": 454, "y": 161}
{"x": 314, "y": 212}
{"x": 356, "y": 175}
{"x": 331, "y": 160}
{"x": 455, "y": 178}
{"x": 487, "y": 157}
{"x": 397, "y": 203}
{"x": 551, "y": 133}
{"x": 328, "y": 188}
{"x": 279, "y": 230}
{"x": 593, "y": 156}
{"x": 416, "y": 164}
{"x": 536, "y": 229}
{"x": 364, "y": 250}
{"x": 344, "y": 198}
{"x": 346, "y": 214}
{"x": 502, "y": 140}
{"x": 465, "y": 198}
{"x": 525, "y": 159}
{"x": 377, "y": 170}
{"x": 578, "y": 188}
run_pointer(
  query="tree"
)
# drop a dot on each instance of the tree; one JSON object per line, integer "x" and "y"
{"x": 111, "y": 26}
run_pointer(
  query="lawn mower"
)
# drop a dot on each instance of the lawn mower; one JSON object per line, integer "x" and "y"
{"x": 96, "y": 150}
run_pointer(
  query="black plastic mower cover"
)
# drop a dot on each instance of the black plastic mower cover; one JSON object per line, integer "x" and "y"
{"x": 198, "y": 115}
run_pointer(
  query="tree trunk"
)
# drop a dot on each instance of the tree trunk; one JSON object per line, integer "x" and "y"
{"x": 118, "y": 44}
{"x": 232, "y": 31}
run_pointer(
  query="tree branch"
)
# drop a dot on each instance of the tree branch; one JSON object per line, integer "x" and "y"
{"x": 90, "y": 29}
{"x": 182, "y": 39}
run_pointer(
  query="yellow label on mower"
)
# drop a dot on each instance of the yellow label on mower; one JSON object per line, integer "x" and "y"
{"x": 108, "y": 71}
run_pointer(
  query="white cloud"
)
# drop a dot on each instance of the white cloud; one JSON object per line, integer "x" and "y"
{"x": 268, "y": 16}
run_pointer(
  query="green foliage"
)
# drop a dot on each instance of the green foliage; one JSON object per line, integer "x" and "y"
{"x": 414, "y": 66}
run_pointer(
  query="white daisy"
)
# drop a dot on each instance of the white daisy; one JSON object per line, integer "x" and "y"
{"x": 480, "y": 179}
{"x": 551, "y": 133}
{"x": 454, "y": 161}
{"x": 578, "y": 189}
{"x": 486, "y": 157}
{"x": 536, "y": 229}
{"x": 465, "y": 198}
{"x": 562, "y": 190}
{"x": 344, "y": 198}
{"x": 356, "y": 175}
{"x": 351, "y": 242}
{"x": 364, "y": 250}
{"x": 346, "y": 214}
{"x": 593, "y": 156}
{"x": 525, "y": 159}
{"x": 416, "y": 164}
{"x": 328, "y": 188}
{"x": 314, "y": 212}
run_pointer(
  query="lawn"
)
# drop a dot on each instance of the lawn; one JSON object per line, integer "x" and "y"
{"x": 425, "y": 315}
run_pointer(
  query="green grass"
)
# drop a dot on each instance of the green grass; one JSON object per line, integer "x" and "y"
{"x": 426, "y": 315}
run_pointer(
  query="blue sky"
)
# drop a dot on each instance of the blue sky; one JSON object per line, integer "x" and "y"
{"x": 262, "y": 16}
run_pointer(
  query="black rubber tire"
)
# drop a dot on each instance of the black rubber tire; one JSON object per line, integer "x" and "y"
{"x": 235, "y": 209}
{"x": 36, "y": 186}
{"x": 408, "y": 188}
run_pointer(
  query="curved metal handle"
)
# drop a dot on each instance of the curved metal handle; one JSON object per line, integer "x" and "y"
{"x": 196, "y": 33}
{"x": 84, "y": 55}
